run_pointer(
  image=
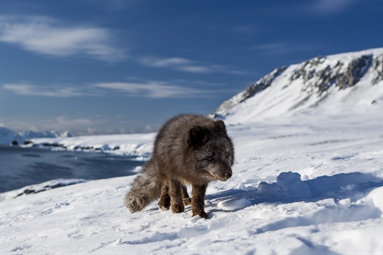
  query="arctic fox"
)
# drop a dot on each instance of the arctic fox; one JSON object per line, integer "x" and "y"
{"x": 188, "y": 149}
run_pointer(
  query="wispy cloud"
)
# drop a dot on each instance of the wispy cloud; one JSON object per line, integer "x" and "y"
{"x": 50, "y": 37}
{"x": 76, "y": 125}
{"x": 330, "y": 6}
{"x": 277, "y": 48}
{"x": 274, "y": 48}
{"x": 248, "y": 29}
{"x": 45, "y": 91}
{"x": 165, "y": 62}
{"x": 66, "y": 122}
{"x": 153, "y": 89}
{"x": 186, "y": 65}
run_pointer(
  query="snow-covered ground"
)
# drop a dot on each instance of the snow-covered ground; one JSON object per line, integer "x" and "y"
{"x": 135, "y": 145}
{"x": 301, "y": 185}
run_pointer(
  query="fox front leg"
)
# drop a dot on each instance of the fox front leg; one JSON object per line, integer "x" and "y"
{"x": 198, "y": 200}
{"x": 175, "y": 193}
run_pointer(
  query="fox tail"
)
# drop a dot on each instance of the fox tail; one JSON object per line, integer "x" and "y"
{"x": 145, "y": 189}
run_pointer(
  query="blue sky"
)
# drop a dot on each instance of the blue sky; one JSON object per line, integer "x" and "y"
{"x": 117, "y": 66}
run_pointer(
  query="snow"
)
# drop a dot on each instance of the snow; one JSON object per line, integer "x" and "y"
{"x": 306, "y": 181}
{"x": 7, "y": 136}
{"x": 288, "y": 95}
{"x": 47, "y": 134}
{"x": 41, "y": 187}
{"x": 135, "y": 145}
{"x": 300, "y": 186}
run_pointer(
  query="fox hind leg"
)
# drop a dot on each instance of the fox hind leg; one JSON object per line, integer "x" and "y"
{"x": 164, "y": 202}
{"x": 185, "y": 196}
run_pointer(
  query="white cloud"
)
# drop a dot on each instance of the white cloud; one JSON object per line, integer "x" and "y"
{"x": 152, "y": 89}
{"x": 247, "y": 29}
{"x": 195, "y": 69}
{"x": 273, "y": 47}
{"x": 330, "y": 6}
{"x": 75, "y": 125}
{"x": 46, "y": 91}
{"x": 185, "y": 65}
{"x": 166, "y": 62}
{"x": 48, "y": 36}
{"x": 63, "y": 121}
{"x": 283, "y": 48}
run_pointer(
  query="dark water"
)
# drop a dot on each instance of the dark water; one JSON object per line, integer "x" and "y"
{"x": 20, "y": 167}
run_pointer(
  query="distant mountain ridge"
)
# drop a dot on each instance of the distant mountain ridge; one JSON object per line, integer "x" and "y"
{"x": 348, "y": 81}
{"x": 8, "y": 136}
{"x": 44, "y": 134}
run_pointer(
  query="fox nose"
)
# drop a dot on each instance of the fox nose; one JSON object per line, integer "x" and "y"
{"x": 228, "y": 175}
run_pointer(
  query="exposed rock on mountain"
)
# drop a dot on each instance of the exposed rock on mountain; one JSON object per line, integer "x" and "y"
{"x": 252, "y": 90}
{"x": 342, "y": 82}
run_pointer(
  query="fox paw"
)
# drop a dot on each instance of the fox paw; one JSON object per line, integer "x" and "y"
{"x": 200, "y": 213}
{"x": 164, "y": 203}
{"x": 178, "y": 208}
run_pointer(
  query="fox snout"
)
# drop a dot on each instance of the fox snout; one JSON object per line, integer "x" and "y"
{"x": 222, "y": 173}
{"x": 228, "y": 175}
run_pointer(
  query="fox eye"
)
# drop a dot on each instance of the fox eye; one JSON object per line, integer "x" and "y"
{"x": 210, "y": 159}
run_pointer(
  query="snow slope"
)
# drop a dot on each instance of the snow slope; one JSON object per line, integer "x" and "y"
{"x": 300, "y": 186}
{"x": 342, "y": 83}
{"x": 307, "y": 181}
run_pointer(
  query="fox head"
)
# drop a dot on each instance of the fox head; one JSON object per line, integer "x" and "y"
{"x": 213, "y": 151}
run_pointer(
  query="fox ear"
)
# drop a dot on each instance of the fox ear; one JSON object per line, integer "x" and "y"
{"x": 198, "y": 136}
{"x": 220, "y": 126}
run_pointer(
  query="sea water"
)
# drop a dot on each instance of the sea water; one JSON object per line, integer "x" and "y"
{"x": 20, "y": 167}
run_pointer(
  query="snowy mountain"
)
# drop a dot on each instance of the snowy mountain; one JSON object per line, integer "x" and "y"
{"x": 44, "y": 134}
{"x": 8, "y": 136}
{"x": 350, "y": 82}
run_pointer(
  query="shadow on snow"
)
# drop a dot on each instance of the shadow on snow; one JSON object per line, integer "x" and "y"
{"x": 289, "y": 188}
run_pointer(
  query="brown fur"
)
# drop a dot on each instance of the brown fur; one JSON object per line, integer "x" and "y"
{"x": 188, "y": 149}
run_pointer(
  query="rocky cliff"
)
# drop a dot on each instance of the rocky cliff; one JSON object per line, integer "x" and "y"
{"x": 348, "y": 81}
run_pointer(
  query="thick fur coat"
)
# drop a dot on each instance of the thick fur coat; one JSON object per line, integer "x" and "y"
{"x": 188, "y": 149}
